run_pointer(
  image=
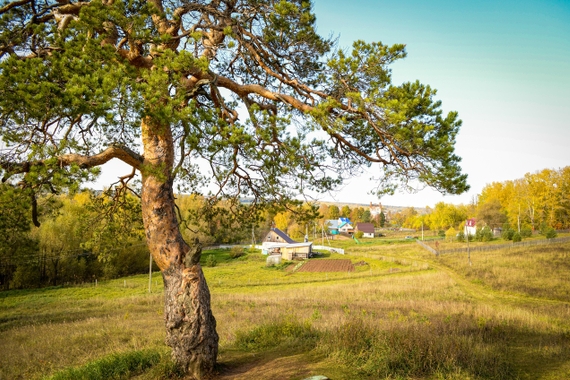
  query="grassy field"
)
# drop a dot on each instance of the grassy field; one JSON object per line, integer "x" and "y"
{"x": 403, "y": 314}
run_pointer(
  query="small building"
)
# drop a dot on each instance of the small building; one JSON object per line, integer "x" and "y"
{"x": 297, "y": 251}
{"x": 346, "y": 227}
{"x": 470, "y": 227}
{"x": 277, "y": 242}
{"x": 366, "y": 228}
{"x": 332, "y": 226}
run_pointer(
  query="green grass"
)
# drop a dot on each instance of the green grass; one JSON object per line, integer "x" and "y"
{"x": 405, "y": 314}
{"x": 112, "y": 367}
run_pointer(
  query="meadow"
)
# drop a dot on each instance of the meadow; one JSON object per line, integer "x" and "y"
{"x": 403, "y": 314}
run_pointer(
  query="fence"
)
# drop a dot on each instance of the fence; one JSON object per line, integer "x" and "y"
{"x": 424, "y": 245}
{"x": 330, "y": 249}
{"x": 492, "y": 247}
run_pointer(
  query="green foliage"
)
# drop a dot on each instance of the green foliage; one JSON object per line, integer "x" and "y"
{"x": 75, "y": 243}
{"x": 508, "y": 234}
{"x": 549, "y": 233}
{"x": 382, "y": 221}
{"x": 484, "y": 234}
{"x": 115, "y": 366}
{"x": 16, "y": 242}
{"x": 211, "y": 261}
{"x": 516, "y": 237}
{"x": 461, "y": 236}
{"x": 237, "y": 251}
{"x": 526, "y": 232}
{"x": 358, "y": 234}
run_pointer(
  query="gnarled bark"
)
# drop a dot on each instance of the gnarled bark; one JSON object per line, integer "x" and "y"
{"x": 190, "y": 324}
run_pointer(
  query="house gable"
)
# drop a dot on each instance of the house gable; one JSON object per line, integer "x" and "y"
{"x": 275, "y": 235}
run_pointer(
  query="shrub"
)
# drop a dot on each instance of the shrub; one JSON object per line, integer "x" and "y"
{"x": 508, "y": 234}
{"x": 237, "y": 251}
{"x": 450, "y": 234}
{"x": 516, "y": 237}
{"x": 526, "y": 232}
{"x": 358, "y": 234}
{"x": 484, "y": 234}
{"x": 550, "y": 233}
{"x": 461, "y": 236}
{"x": 211, "y": 261}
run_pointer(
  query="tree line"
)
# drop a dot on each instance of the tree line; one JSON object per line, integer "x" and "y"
{"x": 92, "y": 235}
{"x": 537, "y": 202}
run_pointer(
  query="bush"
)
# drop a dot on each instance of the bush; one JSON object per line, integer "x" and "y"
{"x": 526, "y": 232}
{"x": 550, "y": 233}
{"x": 461, "y": 236}
{"x": 508, "y": 234}
{"x": 211, "y": 261}
{"x": 237, "y": 251}
{"x": 516, "y": 237}
{"x": 484, "y": 234}
{"x": 450, "y": 234}
{"x": 358, "y": 234}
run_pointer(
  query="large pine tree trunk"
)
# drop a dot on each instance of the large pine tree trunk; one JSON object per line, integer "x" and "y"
{"x": 190, "y": 325}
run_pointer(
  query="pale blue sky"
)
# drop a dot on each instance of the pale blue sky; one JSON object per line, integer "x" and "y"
{"x": 503, "y": 65}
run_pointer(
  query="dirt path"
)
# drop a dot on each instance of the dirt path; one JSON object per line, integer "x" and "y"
{"x": 264, "y": 367}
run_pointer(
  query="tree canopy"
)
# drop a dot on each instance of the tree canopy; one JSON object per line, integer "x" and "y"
{"x": 239, "y": 97}
{"x": 78, "y": 78}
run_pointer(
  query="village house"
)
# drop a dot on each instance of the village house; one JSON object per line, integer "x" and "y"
{"x": 366, "y": 228}
{"x": 277, "y": 242}
{"x": 345, "y": 226}
{"x": 470, "y": 227}
{"x": 332, "y": 226}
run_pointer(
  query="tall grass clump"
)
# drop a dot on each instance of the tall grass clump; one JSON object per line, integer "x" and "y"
{"x": 116, "y": 366}
{"x": 284, "y": 333}
{"x": 445, "y": 348}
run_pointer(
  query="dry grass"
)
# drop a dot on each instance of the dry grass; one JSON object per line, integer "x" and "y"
{"x": 434, "y": 318}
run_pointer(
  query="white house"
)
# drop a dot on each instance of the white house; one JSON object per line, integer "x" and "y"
{"x": 470, "y": 227}
{"x": 367, "y": 229}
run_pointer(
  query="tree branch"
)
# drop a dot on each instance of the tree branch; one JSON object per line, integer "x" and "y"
{"x": 121, "y": 152}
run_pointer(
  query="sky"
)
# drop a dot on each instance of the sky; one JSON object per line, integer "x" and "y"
{"x": 503, "y": 65}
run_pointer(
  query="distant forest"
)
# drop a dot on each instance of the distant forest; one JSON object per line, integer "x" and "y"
{"x": 88, "y": 235}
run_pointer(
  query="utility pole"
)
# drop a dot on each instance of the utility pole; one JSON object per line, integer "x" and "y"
{"x": 468, "y": 250}
{"x": 150, "y": 273}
